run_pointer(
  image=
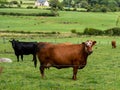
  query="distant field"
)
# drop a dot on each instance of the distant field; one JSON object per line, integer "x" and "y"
{"x": 66, "y": 22}
{"x": 101, "y": 72}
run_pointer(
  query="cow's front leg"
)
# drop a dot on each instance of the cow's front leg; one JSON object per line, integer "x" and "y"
{"x": 75, "y": 69}
{"x": 18, "y": 58}
{"x": 42, "y": 70}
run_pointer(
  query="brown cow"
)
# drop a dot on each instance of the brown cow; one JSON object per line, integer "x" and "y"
{"x": 113, "y": 43}
{"x": 48, "y": 44}
{"x": 63, "y": 56}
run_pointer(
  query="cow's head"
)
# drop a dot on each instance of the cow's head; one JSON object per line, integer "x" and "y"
{"x": 13, "y": 42}
{"x": 88, "y": 46}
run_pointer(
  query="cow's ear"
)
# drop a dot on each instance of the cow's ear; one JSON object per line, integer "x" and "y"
{"x": 94, "y": 42}
{"x": 83, "y": 42}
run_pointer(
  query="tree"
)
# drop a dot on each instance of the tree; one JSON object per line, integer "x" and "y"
{"x": 118, "y": 2}
{"x": 54, "y": 4}
{"x": 3, "y": 1}
{"x": 84, "y": 4}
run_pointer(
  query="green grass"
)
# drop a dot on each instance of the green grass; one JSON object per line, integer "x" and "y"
{"x": 100, "y": 73}
{"x": 66, "y": 22}
{"x": 26, "y": 11}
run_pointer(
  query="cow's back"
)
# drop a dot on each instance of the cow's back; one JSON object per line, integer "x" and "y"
{"x": 61, "y": 55}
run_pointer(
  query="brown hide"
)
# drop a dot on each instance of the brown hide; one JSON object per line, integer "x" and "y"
{"x": 113, "y": 43}
{"x": 63, "y": 56}
{"x": 66, "y": 43}
{"x": 47, "y": 44}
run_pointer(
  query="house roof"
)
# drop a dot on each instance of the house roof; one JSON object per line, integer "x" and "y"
{"x": 41, "y": 1}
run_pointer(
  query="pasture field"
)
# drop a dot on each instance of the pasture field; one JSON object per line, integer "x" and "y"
{"x": 101, "y": 72}
{"x": 65, "y": 22}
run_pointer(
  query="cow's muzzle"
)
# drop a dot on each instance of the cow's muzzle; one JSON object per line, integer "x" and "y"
{"x": 90, "y": 52}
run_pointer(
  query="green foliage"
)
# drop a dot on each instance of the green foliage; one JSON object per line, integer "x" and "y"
{"x": 3, "y": 1}
{"x": 55, "y": 4}
{"x": 30, "y": 14}
{"x": 73, "y": 31}
{"x": 29, "y": 7}
{"x": 92, "y": 31}
{"x": 14, "y": 2}
{"x": 92, "y": 5}
{"x": 54, "y": 12}
{"x": 113, "y": 31}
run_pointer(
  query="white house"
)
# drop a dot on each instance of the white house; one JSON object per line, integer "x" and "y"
{"x": 42, "y": 3}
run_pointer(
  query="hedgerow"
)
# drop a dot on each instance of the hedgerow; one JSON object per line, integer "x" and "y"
{"x": 27, "y": 14}
{"x": 92, "y": 31}
{"x": 88, "y": 31}
{"x": 112, "y": 31}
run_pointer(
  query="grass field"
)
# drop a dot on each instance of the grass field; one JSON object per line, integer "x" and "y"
{"x": 100, "y": 73}
{"x": 66, "y": 22}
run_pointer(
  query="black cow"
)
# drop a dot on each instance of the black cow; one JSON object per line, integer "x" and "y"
{"x": 24, "y": 48}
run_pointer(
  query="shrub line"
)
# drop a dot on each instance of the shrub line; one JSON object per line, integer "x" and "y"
{"x": 26, "y": 14}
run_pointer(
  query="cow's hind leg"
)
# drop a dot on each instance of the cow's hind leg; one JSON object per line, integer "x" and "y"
{"x": 35, "y": 60}
{"x": 42, "y": 70}
{"x": 22, "y": 57}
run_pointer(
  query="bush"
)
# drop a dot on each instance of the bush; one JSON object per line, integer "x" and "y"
{"x": 2, "y": 6}
{"x": 113, "y": 31}
{"x": 92, "y": 31}
{"x": 19, "y": 5}
{"x": 104, "y": 9}
{"x": 55, "y": 32}
{"x": 29, "y": 7}
{"x": 54, "y": 12}
{"x": 73, "y": 31}
{"x": 79, "y": 33}
{"x": 14, "y": 2}
{"x": 36, "y": 7}
{"x": 27, "y": 14}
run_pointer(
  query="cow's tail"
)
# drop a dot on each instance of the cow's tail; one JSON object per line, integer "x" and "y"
{"x": 38, "y": 47}
{"x": 35, "y": 62}
{"x": 35, "y": 58}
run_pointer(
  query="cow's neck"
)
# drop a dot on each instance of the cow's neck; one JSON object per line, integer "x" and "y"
{"x": 84, "y": 53}
{"x": 84, "y": 56}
